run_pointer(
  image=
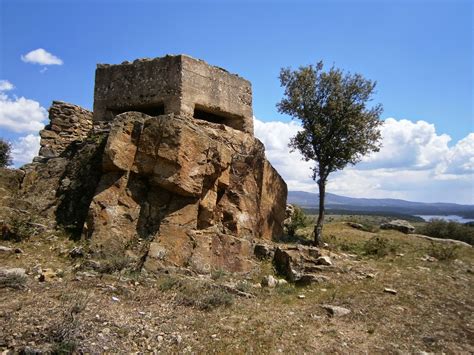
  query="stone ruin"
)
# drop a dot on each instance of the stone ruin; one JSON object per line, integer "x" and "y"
{"x": 165, "y": 170}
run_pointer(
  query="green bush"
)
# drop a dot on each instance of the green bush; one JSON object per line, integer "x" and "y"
{"x": 5, "y": 153}
{"x": 443, "y": 252}
{"x": 439, "y": 228}
{"x": 378, "y": 247}
{"x": 298, "y": 220}
{"x": 18, "y": 228}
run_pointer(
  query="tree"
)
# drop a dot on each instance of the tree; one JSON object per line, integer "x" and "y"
{"x": 339, "y": 127}
{"x": 5, "y": 153}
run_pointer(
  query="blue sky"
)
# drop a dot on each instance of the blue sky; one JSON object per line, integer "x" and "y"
{"x": 419, "y": 52}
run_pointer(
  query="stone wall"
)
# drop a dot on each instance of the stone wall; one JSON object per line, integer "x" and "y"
{"x": 68, "y": 123}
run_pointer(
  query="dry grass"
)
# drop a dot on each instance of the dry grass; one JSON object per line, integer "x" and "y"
{"x": 432, "y": 310}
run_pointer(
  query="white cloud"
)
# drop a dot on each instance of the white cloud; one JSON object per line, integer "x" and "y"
{"x": 5, "y": 85}
{"x": 25, "y": 149}
{"x": 413, "y": 145}
{"x": 415, "y": 163}
{"x": 460, "y": 159}
{"x": 40, "y": 56}
{"x": 21, "y": 115}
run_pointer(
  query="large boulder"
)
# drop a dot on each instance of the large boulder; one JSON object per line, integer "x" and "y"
{"x": 184, "y": 192}
{"x": 399, "y": 225}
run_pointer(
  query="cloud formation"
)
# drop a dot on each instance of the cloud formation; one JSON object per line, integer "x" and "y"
{"x": 415, "y": 163}
{"x": 20, "y": 115}
{"x": 25, "y": 148}
{"x": 5, "y": 85}
{"x": 42, "y": 57}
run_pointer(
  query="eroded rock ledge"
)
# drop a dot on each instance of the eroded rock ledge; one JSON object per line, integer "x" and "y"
{"x": 188, "y": 192}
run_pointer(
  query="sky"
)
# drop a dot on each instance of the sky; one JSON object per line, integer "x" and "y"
{"x": 420, "y": 53}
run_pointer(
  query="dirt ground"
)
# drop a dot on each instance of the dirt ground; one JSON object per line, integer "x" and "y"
{"x": 79, "y": 309}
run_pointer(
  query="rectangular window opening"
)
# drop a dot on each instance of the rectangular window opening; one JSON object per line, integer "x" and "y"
{"x": 209, "y": 115}
{"x": 201, "y": 114}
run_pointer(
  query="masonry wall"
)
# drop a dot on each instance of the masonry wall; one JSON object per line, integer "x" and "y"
{"x": 144, "y": 85}
{"x": 68, "y": 123}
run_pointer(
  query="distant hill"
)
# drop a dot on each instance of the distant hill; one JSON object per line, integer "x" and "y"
{"x": 386, "y": 205}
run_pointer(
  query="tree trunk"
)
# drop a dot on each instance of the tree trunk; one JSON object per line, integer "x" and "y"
{"x": 318, "y": 228}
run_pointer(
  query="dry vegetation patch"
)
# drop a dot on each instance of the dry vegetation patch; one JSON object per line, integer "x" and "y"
{"x": 85, "y": 310}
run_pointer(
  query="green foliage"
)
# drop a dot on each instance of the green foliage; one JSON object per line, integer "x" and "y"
{"x": 18, "y": 228}
{"x": 64, "y": 347}
{"x": 443, "y": 252}
{"x": 169, "y": 283}
{"x": 378, "y": 247}
{"x": 218, "y": 274}
{"x": 439, "y": 228}
{"x": 5, "y": 153}
{"x": 339, "y": 127}
{"x": 298, "y": 220}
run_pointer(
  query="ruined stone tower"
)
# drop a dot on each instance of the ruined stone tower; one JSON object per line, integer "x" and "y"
{"x": 173, "y": 84}
{"x": 165, "y": 170}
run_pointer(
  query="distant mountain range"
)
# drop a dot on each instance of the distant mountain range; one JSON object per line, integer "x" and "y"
{"x": 386, "y": 205}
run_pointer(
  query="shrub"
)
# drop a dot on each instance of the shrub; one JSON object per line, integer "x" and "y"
{"x": 298, "y": 220}
{"x": 215, "y": 298}
{"x": 443, "y": 252}
{"x": 5, "y": 153}
{"x": 169, "y": 283}
{"x": 378, "y": 247}
{"x": 64, "y": 347}
{"x": 17, "y": 229}
{"x": 439, "y": 228}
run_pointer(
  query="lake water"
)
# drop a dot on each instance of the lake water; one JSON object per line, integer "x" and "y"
{"x": 454, "y": 218}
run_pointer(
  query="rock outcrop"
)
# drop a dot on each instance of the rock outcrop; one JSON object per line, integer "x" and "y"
{"x": 198, "y": 192}
{"x": 399, "y": 225}
{"x": 301, "y": 264}
{"x": 166, "y": 170}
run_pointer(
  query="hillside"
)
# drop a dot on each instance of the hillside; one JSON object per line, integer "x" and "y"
{"x": 310, "y": 200}
{"x": 77, "y": 307}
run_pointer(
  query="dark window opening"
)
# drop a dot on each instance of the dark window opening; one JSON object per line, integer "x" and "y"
{"x": 208, "y": 116}
{"x": 150, "y": 110}
{"x": 213, "y": 116}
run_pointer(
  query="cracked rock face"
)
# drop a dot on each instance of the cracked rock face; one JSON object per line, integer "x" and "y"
{"x": 181, "y": 192}
{"x": 166, "y": 170}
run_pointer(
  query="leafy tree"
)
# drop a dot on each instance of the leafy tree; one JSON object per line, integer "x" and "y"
{"x": 338, "y": 126}
{"x": 5, "y": 153}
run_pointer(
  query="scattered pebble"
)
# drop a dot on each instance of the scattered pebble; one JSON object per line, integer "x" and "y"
{"x": 336, "y": 311}
{"x": 390, "y": 290}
